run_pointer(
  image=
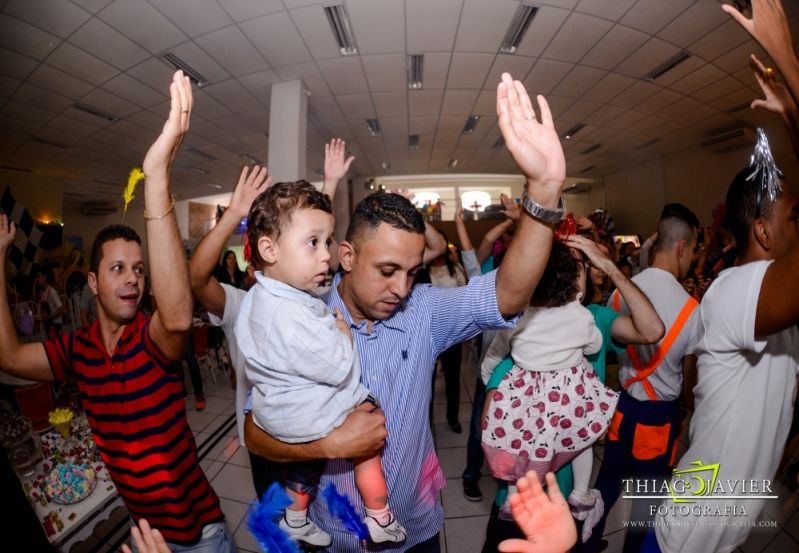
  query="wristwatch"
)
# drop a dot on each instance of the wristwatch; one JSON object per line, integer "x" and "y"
{"x": 545, "y": 214}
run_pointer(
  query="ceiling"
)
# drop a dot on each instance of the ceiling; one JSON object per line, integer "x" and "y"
{"x": 588, "y": 57}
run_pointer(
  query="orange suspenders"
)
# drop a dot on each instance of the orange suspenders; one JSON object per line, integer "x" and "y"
{"x": 662, "y": 349}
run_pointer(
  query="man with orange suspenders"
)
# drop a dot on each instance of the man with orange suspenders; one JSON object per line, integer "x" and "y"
{"x": 642, "y": 437}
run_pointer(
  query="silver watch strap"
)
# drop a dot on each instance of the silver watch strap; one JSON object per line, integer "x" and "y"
{"x": 542, "y": 213}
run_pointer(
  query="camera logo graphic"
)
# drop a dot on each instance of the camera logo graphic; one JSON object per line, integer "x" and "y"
{"x": 698, "y": 480}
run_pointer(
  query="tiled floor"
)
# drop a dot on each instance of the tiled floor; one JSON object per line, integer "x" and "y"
{"x": 227, "y": 466}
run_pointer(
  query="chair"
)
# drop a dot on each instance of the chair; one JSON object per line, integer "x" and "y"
{"x": 36, "y": 402}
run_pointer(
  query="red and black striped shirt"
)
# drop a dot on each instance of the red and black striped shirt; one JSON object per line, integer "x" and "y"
{"x": 135, "y": 406}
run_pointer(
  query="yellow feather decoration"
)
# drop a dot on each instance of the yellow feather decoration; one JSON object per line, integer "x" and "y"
{"x": 136, "y": 175}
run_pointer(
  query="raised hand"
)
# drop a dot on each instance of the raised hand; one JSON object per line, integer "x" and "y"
{"x": 147, "y": 540}
{"x": 8, "y": 232}
{"x": 778, "y": 98}
{"x": 768, "y": 26}
{"x": 336, "y": 164}
{"x": 161, "y": 154}
{"x": 591, "y": 250}
{"x": 534, "y": 145}
{"x": 545, "y": 519}
{"x": 509, "y": 208}
{"x": 404, "y": 192}
{"x": 584, "y": 223}
{"x": 252, "y": 181}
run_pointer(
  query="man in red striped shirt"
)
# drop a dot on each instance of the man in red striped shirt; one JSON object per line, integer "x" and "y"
{"x": 124, "y": 363}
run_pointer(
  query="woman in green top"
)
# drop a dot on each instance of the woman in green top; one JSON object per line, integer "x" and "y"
{"x": 642, "y": 326}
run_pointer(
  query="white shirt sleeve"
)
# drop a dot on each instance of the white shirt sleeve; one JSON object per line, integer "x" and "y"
{"x": 731, "y": 310}
{"x": 470, "y": 264}
{"x": 233, "y": 298}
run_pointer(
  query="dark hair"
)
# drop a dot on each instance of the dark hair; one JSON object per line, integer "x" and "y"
{"x": 222, "y": 274}
{"x": 558, "y": 284}
{"x": 384, "y": 207}
{"x": 745, "y": 203}
{"x": 111, "y": 232}
{"x": 676, "y": 223}
{"x": 272, "y": 210}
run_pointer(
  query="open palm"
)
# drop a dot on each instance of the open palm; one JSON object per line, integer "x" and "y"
{"x": 534, "y": 145}
{"x": 162, "y": 153}
{"x": 545, "y": 519}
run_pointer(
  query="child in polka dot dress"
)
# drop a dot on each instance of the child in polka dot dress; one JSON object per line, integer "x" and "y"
{"x": 550, "y": 407}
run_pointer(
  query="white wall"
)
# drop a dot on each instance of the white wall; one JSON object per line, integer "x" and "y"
{"x": 78, "y": 224}
{"x": 693, "y": 176}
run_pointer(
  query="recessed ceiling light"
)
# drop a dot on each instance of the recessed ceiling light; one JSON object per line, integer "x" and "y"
{"x": 340, "y": 24}
{"x": 499, "y": 143}
{"x": 471, "y": 123}
{"x": 667, "y": 66}
{"x": 415, "y": 71}
{"x": 178, "y": 63}
{"x": 252, "y": 160}
{"x": 213, "y": 185}
{"x": 413, "y": 142}
{"x": 374, "y": 127}
{"x": 453, "y": 163}
{"x": 96, "y": 112}
{"x": 572, "y": 131}
{"x": 590, "y": 149}
{"x": 518, "y": 27}
{"x": 386, "y": 165}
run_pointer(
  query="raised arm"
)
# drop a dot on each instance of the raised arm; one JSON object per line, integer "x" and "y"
{"x": 204, "y": 285}
{"x": 362, "y": 434}
{"x": 769, "y": 26}
{"x": 470, "y": 263}
{"x": 493, "y": 234}
{"x": 643, "y": 326}
{"x": 434, "y": 243}
{"x": 169, "y": 271}
{"x": 23, "y": 360}
{"x": 336, "y": 165}
{"x": 536, "y": 148}
{"x": 778, "y": 99}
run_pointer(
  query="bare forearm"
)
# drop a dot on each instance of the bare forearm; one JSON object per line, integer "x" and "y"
{"x": 487, "y": 243}
{"x": 9, "y": 342}
{"x": 644, "y": 318}
{"x": 463, "y": 236}
{"x": 169, "y": 271}
{"x": 523, "y": 265}
{"x": 434, "y": 244}
{"x": 264, "y": 445}
{"x": 204, "y": 259}
{"x": 329, "y": 187}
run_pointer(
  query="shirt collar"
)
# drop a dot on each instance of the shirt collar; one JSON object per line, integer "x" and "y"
{"x": 281, "y": 289}
{"x": 334, "y": 301}
{"x": 96, "y": 337}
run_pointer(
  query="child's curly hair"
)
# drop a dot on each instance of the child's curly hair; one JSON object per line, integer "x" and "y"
{"x": 272, "y": 210}
{"x": 558, "y": 284}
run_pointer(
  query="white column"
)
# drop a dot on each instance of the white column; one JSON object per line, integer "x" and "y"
{"x": 288, "y": 119}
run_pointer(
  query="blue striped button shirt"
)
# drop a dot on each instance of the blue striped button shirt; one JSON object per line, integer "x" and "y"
{"x": 397, "y": 361}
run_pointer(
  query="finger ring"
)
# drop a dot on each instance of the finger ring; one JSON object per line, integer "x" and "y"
{"x": 530, "y": 117}
{"x": 769, "y": 72}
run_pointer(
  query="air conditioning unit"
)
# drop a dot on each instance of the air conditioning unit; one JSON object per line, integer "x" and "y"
{"x": 577, "y": 188}
{"x": 96, "y": 209}
{"x": 730, "y": 140}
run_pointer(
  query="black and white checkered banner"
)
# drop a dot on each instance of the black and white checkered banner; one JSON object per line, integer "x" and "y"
{"x": 26, "y": 245}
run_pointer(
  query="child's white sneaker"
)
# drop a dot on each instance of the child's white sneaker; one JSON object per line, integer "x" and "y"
{"x": 392, "y": 531}
{"x": 588, "y": 507}
{"x": 309, "y": 533}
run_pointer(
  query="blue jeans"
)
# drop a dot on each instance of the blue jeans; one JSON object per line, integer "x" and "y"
{"x": 474, "y": 447}
{"x": 220, "y": 540}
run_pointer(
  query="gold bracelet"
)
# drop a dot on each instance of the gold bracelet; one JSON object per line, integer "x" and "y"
{"x": 164, "y": 214}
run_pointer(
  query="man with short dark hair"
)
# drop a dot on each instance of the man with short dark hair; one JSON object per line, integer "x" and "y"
{"x": 124, "y": 363}
{"x": 642, "y": 437}
{"x": 399, "y": 330}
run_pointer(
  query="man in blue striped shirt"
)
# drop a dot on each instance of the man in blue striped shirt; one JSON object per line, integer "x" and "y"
{"x": 399, "y": 330}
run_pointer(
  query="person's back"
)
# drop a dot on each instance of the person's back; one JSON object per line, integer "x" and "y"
{"x": 669, "y": 299}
